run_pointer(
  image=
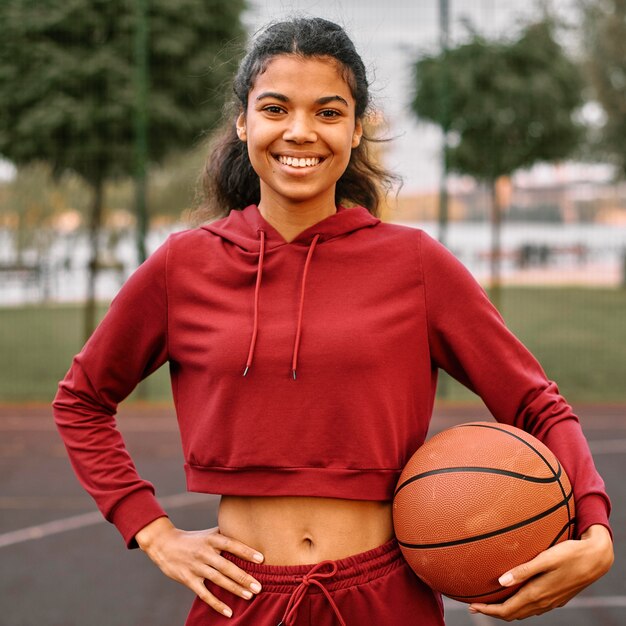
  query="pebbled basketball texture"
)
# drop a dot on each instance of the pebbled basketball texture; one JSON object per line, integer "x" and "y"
{"x": 476, "y": 500}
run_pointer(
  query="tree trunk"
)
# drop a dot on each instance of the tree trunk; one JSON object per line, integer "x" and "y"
{"x": 20, "y": 238}
{"x": 444, "y": 96}
{"x": 95, "y": 223}
{"x": 141, "y": 124}
{"x": 443, "y": 196}
{"x": 496, "y": 247}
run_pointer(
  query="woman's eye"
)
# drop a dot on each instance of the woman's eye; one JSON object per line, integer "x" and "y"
{"x": 272, "y": 108}
{"x": 330, "y": 113}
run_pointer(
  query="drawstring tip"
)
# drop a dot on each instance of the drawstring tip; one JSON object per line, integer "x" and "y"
{"x": 294, "y": 374}
{"x": 246, "y": 370}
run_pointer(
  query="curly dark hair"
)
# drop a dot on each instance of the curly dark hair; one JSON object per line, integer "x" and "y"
{"x": 228, "y": 180}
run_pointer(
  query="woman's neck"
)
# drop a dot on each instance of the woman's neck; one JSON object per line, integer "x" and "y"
{"x": 291, "y": 221}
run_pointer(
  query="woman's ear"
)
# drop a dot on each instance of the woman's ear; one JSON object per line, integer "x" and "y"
{"x": 358, "y": 133}
{"x": 241, "y": 126}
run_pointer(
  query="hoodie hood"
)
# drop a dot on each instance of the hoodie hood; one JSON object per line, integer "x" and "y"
{"x": 242, "y": 227}
{"x": 250, "y": 231}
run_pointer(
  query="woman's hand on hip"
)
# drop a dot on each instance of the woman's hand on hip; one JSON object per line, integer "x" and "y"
{"x": 554, "y": 577}
{"x": 190, "y": 557}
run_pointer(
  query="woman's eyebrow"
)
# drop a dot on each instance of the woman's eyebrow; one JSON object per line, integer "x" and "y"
{"x": 327, "y": 99}
{"x": 282, "y": 98}
{"x": 272, "y": 94}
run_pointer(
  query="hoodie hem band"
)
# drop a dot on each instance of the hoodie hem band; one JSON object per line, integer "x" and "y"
{"x": 347, "y": 484}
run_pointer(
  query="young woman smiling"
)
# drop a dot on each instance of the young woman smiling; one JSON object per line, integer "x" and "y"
{"x": 304, "y": 339}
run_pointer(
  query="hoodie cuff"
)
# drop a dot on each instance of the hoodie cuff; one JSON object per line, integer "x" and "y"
{"x": 135, "y": 512}
{"x": 593, "y": 512}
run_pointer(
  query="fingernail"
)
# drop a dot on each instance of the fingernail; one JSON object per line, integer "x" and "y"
{"x": 472, "y": 610}
{"x": 255, "y": 587}
{"x": 228, "y": 612}
{"x": 505, "y": 579}
{"x": 246, "y": 594}
{"x": 258, "y": 557}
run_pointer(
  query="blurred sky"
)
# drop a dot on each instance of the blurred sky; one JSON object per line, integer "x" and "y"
{"x": 388, "y": 34}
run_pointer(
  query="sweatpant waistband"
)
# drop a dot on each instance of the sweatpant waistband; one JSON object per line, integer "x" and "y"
{"x": 353, "y": 570}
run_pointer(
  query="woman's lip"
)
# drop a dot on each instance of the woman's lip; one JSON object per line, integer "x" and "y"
{"x": 298, "y": 155}
{"x": 297, "y": 169}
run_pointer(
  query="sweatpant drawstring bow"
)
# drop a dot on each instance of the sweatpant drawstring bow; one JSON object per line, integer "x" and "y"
{"x": 312, "y": 578}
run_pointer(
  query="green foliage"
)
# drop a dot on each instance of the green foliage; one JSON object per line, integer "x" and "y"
{"x": 604, "y": 35}
{"x": 66, "y": 79}
{"x": 507, "y": 104}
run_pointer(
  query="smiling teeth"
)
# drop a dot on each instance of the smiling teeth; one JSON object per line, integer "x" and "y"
{"x": 298, "y": 162}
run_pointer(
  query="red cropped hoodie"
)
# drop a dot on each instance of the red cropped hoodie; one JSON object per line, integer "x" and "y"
{"x": 304, "y": 368}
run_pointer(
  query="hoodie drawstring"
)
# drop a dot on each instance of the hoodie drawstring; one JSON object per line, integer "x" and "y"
{"x": 257, "y": 288}
{"x": 298, "y": 595}
{"x": 296, "y": 345}
{"x": 255, "y": 326}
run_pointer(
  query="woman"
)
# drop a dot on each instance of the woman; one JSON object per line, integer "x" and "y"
{"x": 304, "y": 340}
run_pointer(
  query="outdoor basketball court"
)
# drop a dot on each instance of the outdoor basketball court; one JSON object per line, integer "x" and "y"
{"x": 63, "y": 566}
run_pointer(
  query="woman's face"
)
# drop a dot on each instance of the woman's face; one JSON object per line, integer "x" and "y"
{"x": 300, "y": 129}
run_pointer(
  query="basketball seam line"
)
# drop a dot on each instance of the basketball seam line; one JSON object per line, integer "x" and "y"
{"x": 494, "y": 533}
{"x": 503, "y": 430}
{"x": 526, "y": 443}
{"x": 483, "y": 470}
{"x": 487, "y": 593}
{"x": 566, "y": 527}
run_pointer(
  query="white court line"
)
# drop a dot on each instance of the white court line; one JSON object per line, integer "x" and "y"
{"x": 186, "y": 499}
{"x": 584, "y": 602}
{"x": 88, "y": 519}
{"x": 608, "y": 446}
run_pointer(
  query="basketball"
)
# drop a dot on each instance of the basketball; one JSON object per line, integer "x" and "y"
{"x": 476, "y": 500}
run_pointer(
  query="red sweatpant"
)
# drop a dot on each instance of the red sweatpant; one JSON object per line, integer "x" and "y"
{"x": 375, "y": 587}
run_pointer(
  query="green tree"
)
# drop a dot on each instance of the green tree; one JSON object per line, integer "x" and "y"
{"x": 604, "y": 37}
{"x": 68, "y": 85}
{"x": 509, "y": 104}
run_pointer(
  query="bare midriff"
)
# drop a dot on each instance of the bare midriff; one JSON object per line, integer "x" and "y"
{"x": 303, "y": 530}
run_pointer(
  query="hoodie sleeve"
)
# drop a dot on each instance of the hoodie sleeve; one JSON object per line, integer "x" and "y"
{"x": 469, "y": 340}
{"x": 129, "y": 344}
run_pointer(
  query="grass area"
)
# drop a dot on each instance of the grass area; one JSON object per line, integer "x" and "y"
{"x": 37, "y": 344}
{"x": 578, "y": 335}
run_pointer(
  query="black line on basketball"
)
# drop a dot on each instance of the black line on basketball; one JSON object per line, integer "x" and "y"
{"x": 478, "y": 469}
{"x": 493, "y": 533}
{"x": 569, "y": 510}
{"x": 567, "y": 527}
{"x": 507, "y": 432}
{"x": 543, "y": 458}
{"x": 502, "y": 430}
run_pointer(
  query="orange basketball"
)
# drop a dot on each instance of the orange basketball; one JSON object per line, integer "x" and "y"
{"x": 476, "y": 500}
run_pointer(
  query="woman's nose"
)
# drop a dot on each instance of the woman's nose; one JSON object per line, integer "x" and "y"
{"x": 300, "y": 129}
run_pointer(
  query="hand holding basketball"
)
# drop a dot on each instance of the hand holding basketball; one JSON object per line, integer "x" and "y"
{"x": 477, "y": 500}
{"x": 484, "y": 513}
{"x": 555, "y": 576}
